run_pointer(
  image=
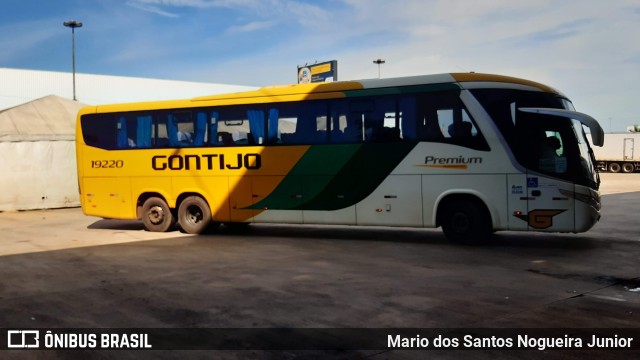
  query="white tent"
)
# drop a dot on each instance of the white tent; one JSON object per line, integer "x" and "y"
{"x": 37, "y": 155}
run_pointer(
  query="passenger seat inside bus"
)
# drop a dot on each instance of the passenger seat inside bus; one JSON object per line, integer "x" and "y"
{"x": 460, "y": 130}
{"x": 225, "y": 138}
{"x": 162, "y": 142}
{"x": 352, "y": 133}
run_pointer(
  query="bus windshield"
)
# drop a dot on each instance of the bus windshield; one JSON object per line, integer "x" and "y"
{"x": 548, "y": 144}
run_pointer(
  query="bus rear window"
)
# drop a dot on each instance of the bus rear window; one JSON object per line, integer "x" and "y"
{"x": 100, "y": 131}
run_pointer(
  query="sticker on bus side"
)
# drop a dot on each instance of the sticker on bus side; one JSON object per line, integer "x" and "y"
{"x": 540, "y": 218}
{"x": 457, "y": 162}
{"x": 206, "y": 161}
{"x": 107, "y": 164}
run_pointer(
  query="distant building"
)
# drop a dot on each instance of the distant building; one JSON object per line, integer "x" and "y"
{"x": 19, "y": 86}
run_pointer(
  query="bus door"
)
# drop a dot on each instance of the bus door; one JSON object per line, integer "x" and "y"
{"x": 550, "y": 206}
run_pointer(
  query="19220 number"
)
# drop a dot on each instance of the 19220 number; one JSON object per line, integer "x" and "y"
{"x": 107, "y": 164}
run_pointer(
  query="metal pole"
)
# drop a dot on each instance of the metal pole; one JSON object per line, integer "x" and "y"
{"x": 73, "y": 25}
{"x": 73, "y": 60}
{"x": 378, "y": 62}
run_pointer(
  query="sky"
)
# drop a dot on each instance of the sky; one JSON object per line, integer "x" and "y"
{"x": 588, "y": 49}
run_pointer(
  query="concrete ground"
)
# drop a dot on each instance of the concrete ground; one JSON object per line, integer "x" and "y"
{"x": 62, "y": 269}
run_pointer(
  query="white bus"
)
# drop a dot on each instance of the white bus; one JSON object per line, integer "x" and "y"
{"x": 472, "y": 153}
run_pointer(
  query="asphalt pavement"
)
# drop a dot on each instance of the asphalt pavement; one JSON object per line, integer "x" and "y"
{"x": 60, "y": 269}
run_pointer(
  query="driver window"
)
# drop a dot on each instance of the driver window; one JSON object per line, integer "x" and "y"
{"x": 551, "y": 155}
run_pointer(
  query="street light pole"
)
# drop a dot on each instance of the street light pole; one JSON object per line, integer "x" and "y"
{"x": 378, "y": 62}
{"x": 73, "y": 25}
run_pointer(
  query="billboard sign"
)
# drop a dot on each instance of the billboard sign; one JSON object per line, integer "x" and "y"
{"x": 321, "y": 72}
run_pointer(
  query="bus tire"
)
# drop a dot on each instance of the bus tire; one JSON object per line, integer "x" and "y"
{"x": 614, "y": 167}
{"x": 466, "y": 222}
{"x": 628, "y": 168}
{"x": 194, "y": 215}
{"x": 156, "y": 215}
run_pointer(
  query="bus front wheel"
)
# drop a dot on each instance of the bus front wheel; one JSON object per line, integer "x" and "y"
{"x": 194, "y": 215}
{"x": 156, "y": 215}
{"x": 467, "y": 222}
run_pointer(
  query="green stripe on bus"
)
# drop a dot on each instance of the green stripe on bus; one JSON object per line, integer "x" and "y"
{"x": 360, "y": 176}
{"x": 353, "y": 173}
{"x": 309, "y": 176}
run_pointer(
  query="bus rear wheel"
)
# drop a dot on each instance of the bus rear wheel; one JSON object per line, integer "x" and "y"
{"x": 466, "y": 222}
{"x": 194, "y": 215}
{"x": 156, "y": 215}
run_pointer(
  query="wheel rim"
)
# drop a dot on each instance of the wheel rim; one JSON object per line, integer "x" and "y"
{"x": 460, "y": 223}
{"x": 194, "y": 214}
{"x": 156, "y": 215}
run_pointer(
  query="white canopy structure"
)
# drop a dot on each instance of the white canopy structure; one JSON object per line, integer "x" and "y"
{"x": 37, "y": 155}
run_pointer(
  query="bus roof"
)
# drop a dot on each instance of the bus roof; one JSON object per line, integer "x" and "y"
{"x": 462, "y": 80}
{"x": 482, "y": 80}
{"x": 316, "y": 91}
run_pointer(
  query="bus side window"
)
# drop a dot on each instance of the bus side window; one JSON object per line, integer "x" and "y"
{"x": 218, "y": 133}
{"x": 299, "y": 123}
{"x": 446, "y": 121}
{"x": 382, "y": 123}
{"x": 428, "y": 118}
{"x": 185, "y": 130}
{"x": 430, "y": 128}
{"x": 377, "y": 119}
{"x": 286, "y": 130}
{"x": 232, "y": 121}
{"x": 256, "y": 127}
{"x": 337, "y": 121}
{"x": 225, "y": 138}
{"x": 551, "y": 157}
{"x": 100, "y": 130}
{"x": 122, "y": 139}
{"x": 441, "y": 117}
{"x": 144, "y": 126}
{"x": 409, "y": 120}
{"x": 160, "y": 132}
{"x": 180, "y": 129}
{"x": 200, "y": 129}
{"x": 353, "y": 131}
{"x": 134, "y": 131}
{"x": 457, "y": 126}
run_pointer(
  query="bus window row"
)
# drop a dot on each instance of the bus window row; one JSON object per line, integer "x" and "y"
{"x": 437, "y": 117}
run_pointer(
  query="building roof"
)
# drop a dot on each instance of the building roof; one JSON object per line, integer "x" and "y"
{"x": 49, "y": 118}
{"x": 18, "y": 86}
